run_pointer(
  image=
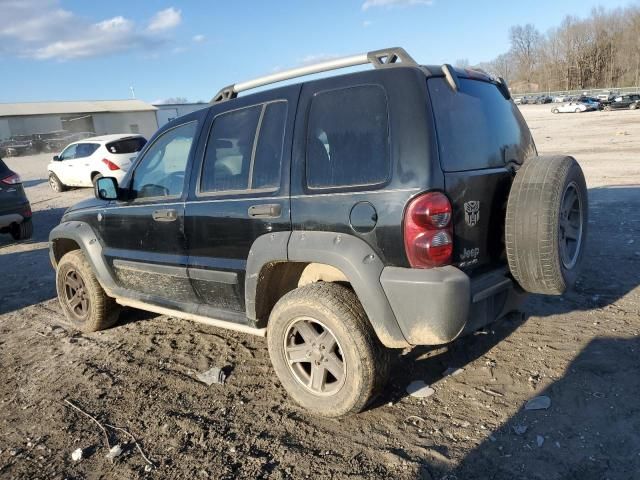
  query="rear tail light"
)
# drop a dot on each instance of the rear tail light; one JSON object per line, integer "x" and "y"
{"x": 428, "y": 235}
{"x": 12, "y": 179}
{"x": 110, "y": 164}
{"x": 27, "y": 212}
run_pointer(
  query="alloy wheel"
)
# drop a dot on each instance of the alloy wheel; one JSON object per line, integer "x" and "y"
{"x": 571, "y": 226}
{"x": 314, "y": 356}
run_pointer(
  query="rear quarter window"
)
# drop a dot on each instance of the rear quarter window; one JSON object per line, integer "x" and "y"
{"x": 348, "y": 138}
{"x": 476, "y": 127}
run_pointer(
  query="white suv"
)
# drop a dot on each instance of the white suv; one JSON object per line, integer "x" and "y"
{"x": 81, "y": 163}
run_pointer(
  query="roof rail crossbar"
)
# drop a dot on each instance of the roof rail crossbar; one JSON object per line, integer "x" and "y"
{"x": 385, "y": 58}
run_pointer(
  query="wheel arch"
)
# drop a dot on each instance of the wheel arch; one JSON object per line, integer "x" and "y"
{"x": 75, "y": 235}
{"x": 281, "y": 262}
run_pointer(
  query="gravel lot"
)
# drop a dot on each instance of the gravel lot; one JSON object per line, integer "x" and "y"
{"x": 580, "y": 350}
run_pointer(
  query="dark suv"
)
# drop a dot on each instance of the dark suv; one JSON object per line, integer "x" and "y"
{"x": 15, "y": 210}
{"x": 341, "y": 217}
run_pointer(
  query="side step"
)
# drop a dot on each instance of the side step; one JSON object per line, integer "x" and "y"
{"x": 127, "y": 302}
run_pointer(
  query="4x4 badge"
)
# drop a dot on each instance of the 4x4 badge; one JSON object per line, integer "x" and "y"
{"x": 472, "y": 212}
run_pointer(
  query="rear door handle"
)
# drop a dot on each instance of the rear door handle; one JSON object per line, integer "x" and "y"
{"x": 165, "y": 215}
{"x": 269, "y": 210}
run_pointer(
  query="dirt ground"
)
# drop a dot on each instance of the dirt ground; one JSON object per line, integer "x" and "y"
{"x": 581, "y": 350}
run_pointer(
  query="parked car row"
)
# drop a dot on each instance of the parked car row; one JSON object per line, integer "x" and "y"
{"x": 585, "y": 104}
{"x": 19, "y": 145}
{"x": 533, "y": 100}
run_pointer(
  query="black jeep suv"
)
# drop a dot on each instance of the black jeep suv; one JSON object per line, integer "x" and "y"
{"x": 341, "y": 217}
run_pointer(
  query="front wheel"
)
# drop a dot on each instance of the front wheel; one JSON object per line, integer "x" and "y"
{"x": 324, "y": 350}
{"x": 55, "y": 183}
{"x": 633, "y": 106}
{"x": 577, "y": 110}
{"x": 555, "y": 110}
{"x": 83, "y": 301}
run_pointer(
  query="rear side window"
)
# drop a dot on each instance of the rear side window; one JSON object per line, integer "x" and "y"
{"x": 476, "y": 126}
{"x": 127, "y": 145}
{"x": 86, "y": 149}
{"x": 244, "y": 149}
{"x": 348, "y": 138}
{"x": 266, "y": 168}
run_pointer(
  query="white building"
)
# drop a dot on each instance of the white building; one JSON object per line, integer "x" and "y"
{"x": 170, "y": 111}
{"x": 101, "y": 117}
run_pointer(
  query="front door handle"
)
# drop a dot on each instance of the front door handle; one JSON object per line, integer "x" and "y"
{"x": 165, "y": 215}
{"x": 269, "y": 210}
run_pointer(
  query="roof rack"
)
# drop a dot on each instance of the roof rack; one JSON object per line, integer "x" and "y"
{"x": 385, "y": 58}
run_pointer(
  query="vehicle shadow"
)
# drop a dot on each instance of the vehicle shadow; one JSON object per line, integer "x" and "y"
{"x": 590, "y": 431}
{"x": 28, "y": 277}
{"x": 612, "y": 256}
{"x": 33, "y": 183}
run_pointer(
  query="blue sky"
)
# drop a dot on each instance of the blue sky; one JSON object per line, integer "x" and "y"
{"x": 82, "y": 50}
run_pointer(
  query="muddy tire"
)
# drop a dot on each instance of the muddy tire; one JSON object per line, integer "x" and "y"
{"x": 23, "y": 230}
{"x": 546, "y": 224}
{"x": 83, "y": 301}
{"x": 325, "y": 351}
{"x": 55, "y": 183}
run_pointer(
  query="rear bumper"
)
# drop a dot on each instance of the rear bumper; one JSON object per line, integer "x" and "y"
{"x": 14, "y": 214}
{"x": 434, "y": 306}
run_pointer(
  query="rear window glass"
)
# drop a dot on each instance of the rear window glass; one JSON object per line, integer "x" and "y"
{"x": 348, "y": 138}
{"x": 476, "y": 126}
{"x": 128, "y": 145}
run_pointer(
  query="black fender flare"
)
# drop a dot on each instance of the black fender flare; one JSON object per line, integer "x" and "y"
{"x": 82, "y": 234}
{"x": 349, "y": 254}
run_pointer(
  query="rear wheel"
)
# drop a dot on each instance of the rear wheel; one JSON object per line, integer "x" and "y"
{"x": 577, "y": 110}
{"x": 55, "y": 183}
{"x": 23, "y": 230}
{"x": 546, "y": 224}
{"x": 607, "y": 108}
{"x": 83, "y": 301}
{"x": 555, "y": 110}
{"x": 324, "y": 350}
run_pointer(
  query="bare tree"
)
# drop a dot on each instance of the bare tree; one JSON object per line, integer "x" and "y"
{"x": 601, "y": 50}
{"x": 524, "y": 45}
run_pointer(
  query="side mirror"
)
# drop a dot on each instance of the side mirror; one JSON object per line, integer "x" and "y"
{"x": 106, "y": 188}
{"x": 56, "y": 158}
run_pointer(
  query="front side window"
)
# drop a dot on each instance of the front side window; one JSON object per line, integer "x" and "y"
{"x": 161, "y": 171}
{"x": 348, "y": 138}
{"x": 68, "y": 153}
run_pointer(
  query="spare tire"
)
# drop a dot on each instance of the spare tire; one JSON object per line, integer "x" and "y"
{"x": 546, "y": 224}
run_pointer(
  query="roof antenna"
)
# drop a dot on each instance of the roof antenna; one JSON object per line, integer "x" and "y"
{"x": 133, "y": 92}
